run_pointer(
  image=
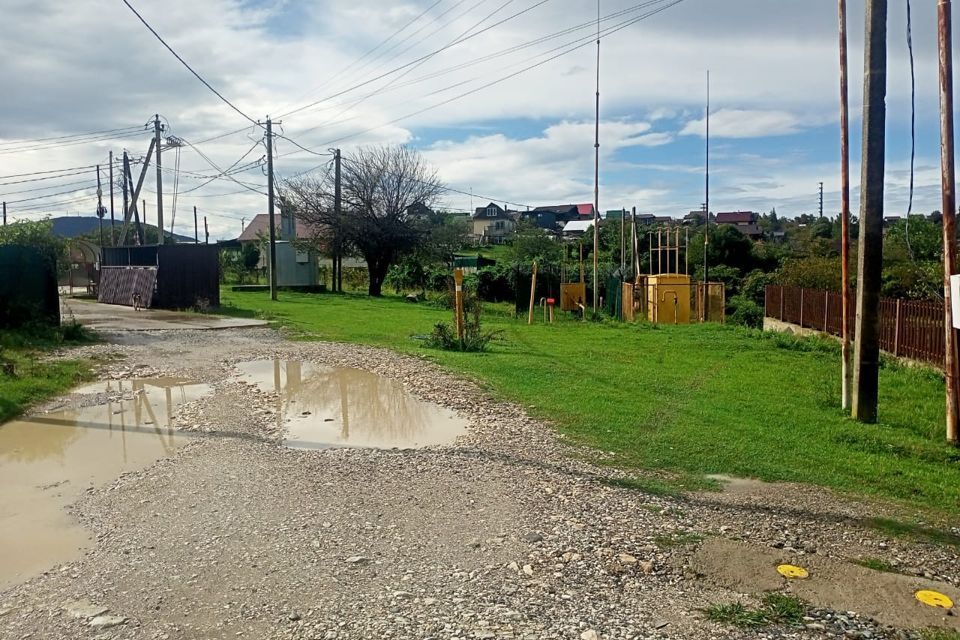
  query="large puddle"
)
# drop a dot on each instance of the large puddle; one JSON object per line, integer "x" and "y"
{"x": 321, "y": 407}
{"x": 48, "y": 461}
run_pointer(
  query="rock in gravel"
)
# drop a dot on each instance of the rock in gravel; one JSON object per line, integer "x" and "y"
{"x": 84, "y": 609}
{"x": 357, "y": 560}
{"x": 533, "y": 537}
{"x": 105, "y": 622}
{"x": 589, "y": 634}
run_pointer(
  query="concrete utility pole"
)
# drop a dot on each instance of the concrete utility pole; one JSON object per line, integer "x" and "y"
{"x": 337, "y": 276}
{"x": 196, "y": 229}
{"x": 206, "y": 231}
{"x": 157, "y": 130}
{"x": 821, "y": 199}
{"x": 273, "y": 230}
{"x": 113, "y": 222}
{"x": 948, "y": 186}
{"x": 126, "y": 198}
{"x": 866, "y": 359}
{"x": 4, "y": 214}
{"x": 846, "y": 370}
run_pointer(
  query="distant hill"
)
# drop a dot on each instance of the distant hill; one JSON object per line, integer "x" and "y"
{"x": 73, "y": 226}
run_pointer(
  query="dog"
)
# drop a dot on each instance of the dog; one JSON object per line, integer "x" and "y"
{"x": 137, "y": 302}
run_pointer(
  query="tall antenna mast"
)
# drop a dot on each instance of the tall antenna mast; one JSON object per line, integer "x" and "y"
{"x": 596, "y": 174}
{"x": 706, "y": 212}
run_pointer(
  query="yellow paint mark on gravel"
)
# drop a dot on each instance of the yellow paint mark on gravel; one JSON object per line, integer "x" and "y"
{"x": 792, "y": 572}
{"x": 934, "y": 599}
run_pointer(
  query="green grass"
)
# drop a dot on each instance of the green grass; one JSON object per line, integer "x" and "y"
{"x": 939, "y": 634}
{"x": 677, "y": 539}
{"x": 877, "y": 564}
{"x": 777, "y": 608}
{"x": 914, "y": 531}
{"x": 681, "y": 400}
{"x": 35, "y": 379}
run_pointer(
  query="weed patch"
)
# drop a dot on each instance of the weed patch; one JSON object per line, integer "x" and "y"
{"x": 776, "y": 608}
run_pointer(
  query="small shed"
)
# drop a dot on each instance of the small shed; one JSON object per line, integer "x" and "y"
{"x": 170, "y": 276}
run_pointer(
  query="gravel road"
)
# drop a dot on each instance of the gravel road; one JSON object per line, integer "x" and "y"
{"x": 510, "y": 532}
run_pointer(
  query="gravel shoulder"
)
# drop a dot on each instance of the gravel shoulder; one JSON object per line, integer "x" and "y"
{"x": 509, "y": 533}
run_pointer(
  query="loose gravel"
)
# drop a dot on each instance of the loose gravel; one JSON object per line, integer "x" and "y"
{"x": 512, "y": 532}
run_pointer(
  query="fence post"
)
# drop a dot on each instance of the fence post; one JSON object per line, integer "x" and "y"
{"x": 801, "y": 308}
{"x": 781, "y": 304}
{"x": 826, "y": 309}
{"x": 896, "y": 331}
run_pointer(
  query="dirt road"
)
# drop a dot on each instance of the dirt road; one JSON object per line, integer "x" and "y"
{"x": 504, "y": 532}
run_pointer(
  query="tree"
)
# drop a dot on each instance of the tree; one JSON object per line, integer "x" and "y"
{"x": 384, "y": 190}
{"x": 533, "y": 243}
{"x": 39, "y": 235}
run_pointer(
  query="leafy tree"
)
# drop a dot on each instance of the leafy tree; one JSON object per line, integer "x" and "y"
{"x": 532, "y": 243}
{"x": 39, "y": 235}
{"x": 384, "y": 190}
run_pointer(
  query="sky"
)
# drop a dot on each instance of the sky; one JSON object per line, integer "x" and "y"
{"x": 498, "y": 96}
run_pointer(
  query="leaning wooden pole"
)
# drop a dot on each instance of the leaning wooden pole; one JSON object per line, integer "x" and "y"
{"x": 866, "y": 359}
{"x": 533, "y": 291}
{"x": 846, "y": 370}
{"x": 948, "y": 185}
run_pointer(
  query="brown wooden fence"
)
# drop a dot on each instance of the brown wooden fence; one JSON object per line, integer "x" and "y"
{"x": 908, "y": 328}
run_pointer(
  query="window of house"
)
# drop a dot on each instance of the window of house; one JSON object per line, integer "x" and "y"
{"x": 499, "y": 225}
{"x": 491, "y": 212}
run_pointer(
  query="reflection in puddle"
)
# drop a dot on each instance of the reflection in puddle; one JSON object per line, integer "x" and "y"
{"x": 323, "y": 407}
{"x": 47, "y": 461}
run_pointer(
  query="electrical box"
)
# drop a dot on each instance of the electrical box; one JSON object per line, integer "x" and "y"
{"x": 668, "y": 298}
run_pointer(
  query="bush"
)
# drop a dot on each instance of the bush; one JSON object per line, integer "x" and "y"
{"x": 444, "y": 336}
{"x": 745, "y": 312}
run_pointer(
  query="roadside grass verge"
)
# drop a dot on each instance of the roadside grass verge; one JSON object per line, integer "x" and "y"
{"x": 684, "y": 401}
{"x": 35, "y": 379}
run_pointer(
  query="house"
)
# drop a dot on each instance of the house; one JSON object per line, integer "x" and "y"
{"x": 744, "y": 221}
{"x": 493, "y": 224}
{"x": 577, "y": 228}
{"x": 553, "y": 217}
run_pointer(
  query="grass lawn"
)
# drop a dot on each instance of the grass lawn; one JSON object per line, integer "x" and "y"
{"x": 35, "y": 380}
{"x": 687, "y": 400}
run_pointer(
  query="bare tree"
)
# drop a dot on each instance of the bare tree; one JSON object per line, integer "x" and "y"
{"x": 382, "y": 191}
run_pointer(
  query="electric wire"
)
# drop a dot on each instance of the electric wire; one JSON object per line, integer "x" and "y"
{"x": 54, "y": 140}
{"x": 184, "y": 63}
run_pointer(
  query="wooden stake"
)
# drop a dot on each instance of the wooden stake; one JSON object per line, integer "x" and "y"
{"x": 458, "y": 302}
{"x": 533, "y": 287}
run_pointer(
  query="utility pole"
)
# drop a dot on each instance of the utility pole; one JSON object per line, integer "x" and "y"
{"x": 846, "y": 370}
{"x": 866, "y": 359}
{"x": 337, "y": 276}
{"x": 126, "y": 198}
{"x": 113, "y": 238}
{"x": 157, "y": 129}
{"x": 706, "y": 215}
{"x": 4, "y": 214}
{"x": 146, "y": 227}
{"x": 196, "y": 229}
{"x": 206, "y": 231}
{"x": 623, "y": 241}
{"x": 821, "y": 199}
{"x": 948, "y": 186}
{"x": 273, "y": 231}
{"x": 596, "y": 177}
{"x": 100, "y": 206}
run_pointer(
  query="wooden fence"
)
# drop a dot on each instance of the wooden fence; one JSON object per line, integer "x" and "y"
{"x": 908, "y": 328}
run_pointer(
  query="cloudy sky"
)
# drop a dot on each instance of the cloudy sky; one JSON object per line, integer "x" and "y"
{"x": 497, "y": 94}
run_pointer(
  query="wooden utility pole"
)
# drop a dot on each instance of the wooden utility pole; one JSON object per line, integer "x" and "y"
{"x": 948, "y": 186}
{"x": 113, "y": 222}
{"x": 846, "y": 370}
{"x": 337, "y": 212}
{"x": 100, "y": 206}
{"x": 866, "y": 359}
{"x": 157, "y": 131}
{"x": 196, "y": 228}
{"x": 596, "y": 178}
{"x": 270, "y": 212}
{"x": 623, "y": 241}
{"x": 533, "y": 288}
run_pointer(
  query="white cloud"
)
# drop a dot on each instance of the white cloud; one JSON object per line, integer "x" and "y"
{"x": 746, "y": 123}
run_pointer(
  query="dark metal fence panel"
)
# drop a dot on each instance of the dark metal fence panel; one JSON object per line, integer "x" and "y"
{"x": 908, "y": 328}
{"x": 186, "y": 274}
{"x": 120, "y": 285}
{"x": 28, "y": 287}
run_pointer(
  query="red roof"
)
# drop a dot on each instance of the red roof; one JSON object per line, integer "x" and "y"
{"x": 585, "y": 209}
{"x": 260, "y": 226}
{"x": 736, "y": 217}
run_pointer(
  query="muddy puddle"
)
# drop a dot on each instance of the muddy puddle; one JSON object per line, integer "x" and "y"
{"x": 321, "y": 407}
{"x": 48, "y": 461}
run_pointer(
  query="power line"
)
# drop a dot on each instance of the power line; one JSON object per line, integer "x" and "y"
{"x": 32, "y": 141}
{"x": 70, "y": 143}
{"x": 184, "y": 63}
